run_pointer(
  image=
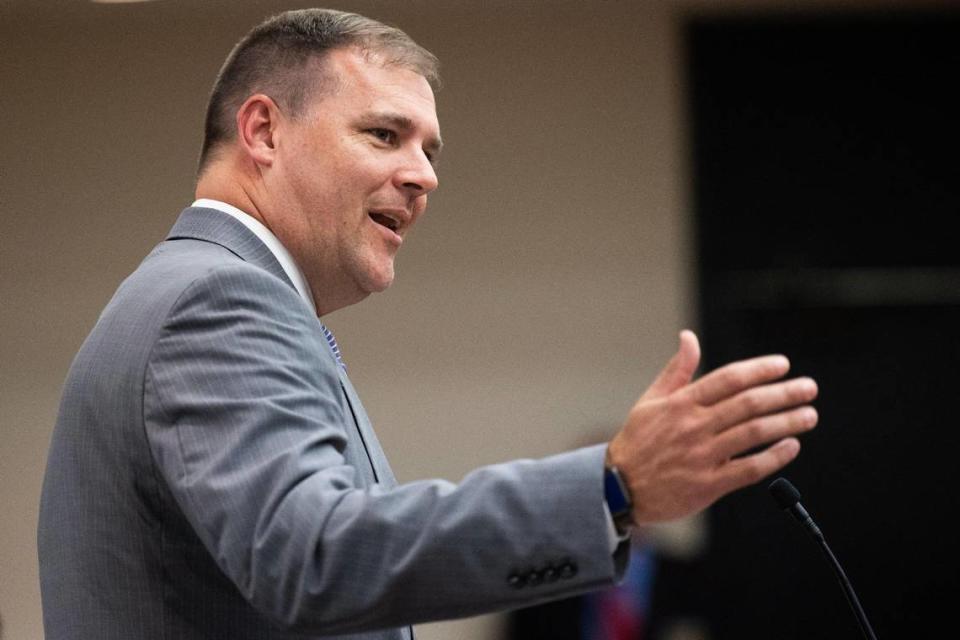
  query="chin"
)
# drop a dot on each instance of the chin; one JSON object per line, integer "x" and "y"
{"x": 371, "y": 273}
{"x": 381, "y": 285}
{"x": 380, "y": 281}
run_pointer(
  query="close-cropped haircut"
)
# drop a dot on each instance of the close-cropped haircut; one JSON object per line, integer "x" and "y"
{"x": 279, "y": 58}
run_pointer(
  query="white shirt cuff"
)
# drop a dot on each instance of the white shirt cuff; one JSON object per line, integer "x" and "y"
{"x": 613, "y": 537}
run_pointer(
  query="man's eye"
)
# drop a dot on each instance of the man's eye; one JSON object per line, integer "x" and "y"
{"x": 384, "y": 135}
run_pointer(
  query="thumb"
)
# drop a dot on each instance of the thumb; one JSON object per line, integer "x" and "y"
{"x": 679, "y": 371}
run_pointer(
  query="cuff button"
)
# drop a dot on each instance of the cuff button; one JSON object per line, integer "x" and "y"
{"x": 568, "y": 570}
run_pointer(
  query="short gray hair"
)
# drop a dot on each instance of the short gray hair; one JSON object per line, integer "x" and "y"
{"x": 275, "y": 57}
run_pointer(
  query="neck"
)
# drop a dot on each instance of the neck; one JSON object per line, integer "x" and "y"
{"x": 217, "y": 183}
{"x": 225, "y": 182}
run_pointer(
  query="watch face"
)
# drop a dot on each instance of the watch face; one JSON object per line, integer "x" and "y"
{"x": 614, "y": 492}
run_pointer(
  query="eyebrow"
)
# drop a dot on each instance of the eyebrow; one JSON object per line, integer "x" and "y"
{"x": 433, "y": 145}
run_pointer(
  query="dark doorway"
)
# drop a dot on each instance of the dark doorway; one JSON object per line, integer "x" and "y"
{"x": 826, "y": 186}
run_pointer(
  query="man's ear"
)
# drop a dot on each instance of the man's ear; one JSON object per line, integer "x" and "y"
{"x": 257, "y": 120}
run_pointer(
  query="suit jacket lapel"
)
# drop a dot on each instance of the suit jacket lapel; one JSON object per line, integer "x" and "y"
{"x": 215, "y": 226}
{"x": 383, "y": 474}
{"x": 198, "y": 223}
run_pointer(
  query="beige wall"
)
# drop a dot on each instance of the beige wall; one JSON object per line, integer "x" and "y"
{"x": 535, "y": 300}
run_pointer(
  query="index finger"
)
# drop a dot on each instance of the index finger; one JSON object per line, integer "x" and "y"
{"x": 735, "y": 377}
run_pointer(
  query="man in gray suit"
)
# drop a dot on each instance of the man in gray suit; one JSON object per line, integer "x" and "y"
{"x": 213, "y": 474}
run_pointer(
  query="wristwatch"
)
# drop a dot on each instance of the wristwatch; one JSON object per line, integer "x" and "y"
{"x": 617, "y": 495}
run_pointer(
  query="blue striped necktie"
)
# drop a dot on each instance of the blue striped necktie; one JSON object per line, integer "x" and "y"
{"x": 333, "y": 345}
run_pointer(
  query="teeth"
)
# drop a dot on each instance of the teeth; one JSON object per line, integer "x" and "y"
{"x": 386, "y": 221}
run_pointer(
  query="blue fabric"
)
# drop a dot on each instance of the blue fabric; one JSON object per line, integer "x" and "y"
{"x": 334, "y": 347}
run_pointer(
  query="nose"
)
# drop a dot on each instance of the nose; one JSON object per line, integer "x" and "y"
{"x": 417, "y": 176}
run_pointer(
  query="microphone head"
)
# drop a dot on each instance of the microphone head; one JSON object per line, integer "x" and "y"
{"x": 784, "y": 493}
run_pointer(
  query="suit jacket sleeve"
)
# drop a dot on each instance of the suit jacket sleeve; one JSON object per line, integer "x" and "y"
{"x": 245, "y": 420}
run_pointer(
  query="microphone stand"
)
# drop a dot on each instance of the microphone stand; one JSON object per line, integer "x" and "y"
{"x": 848, "y": 590}
{"x": 788, "y": 498}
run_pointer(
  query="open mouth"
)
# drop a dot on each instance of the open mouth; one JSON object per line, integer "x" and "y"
{"x": 386, "y": 221}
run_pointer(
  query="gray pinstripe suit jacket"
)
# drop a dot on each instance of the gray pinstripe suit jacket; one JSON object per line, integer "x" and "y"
{"x": 212, "y": 474}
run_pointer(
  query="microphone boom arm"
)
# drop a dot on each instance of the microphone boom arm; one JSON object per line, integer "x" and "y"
{"x": 788, "y": 498}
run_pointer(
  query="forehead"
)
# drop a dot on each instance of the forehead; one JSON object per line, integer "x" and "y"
{"x": 363, "y": 83}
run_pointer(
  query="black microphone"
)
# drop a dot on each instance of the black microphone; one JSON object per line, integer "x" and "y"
{"x": 788, "y": 498}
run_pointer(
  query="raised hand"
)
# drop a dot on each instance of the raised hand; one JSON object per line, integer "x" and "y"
{"x": 680, "y": 449}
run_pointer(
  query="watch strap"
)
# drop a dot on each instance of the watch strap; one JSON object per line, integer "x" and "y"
{"x": 617, "y": 496}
